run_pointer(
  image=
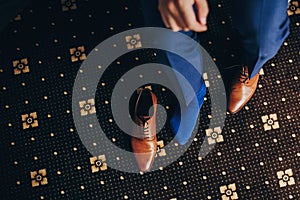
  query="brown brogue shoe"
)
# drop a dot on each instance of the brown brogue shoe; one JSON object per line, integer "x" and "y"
{"x": 144, "y": 141}
{"x": 243, "y": 88}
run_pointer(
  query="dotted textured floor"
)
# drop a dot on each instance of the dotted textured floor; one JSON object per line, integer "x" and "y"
{"x": 257, "y": 155}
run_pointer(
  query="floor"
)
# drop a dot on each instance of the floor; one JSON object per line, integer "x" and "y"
{"x": 257, "y": 155}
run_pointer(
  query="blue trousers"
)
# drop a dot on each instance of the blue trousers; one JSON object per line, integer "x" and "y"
{"x": 262, "y": 26}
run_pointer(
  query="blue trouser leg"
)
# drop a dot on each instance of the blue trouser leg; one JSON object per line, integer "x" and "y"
{"x": 152, "y": 18}
{"x": 187, "y": 119}
{"x": 262, "y": 25}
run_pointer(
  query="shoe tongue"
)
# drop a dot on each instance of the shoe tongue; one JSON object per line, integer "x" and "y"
{"x": 144, "y": 118}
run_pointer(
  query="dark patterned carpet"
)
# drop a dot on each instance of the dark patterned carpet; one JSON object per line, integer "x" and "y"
{"x": 257, "y": 155}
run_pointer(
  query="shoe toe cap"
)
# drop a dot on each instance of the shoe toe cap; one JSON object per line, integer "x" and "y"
{"x": 145, "y": 160}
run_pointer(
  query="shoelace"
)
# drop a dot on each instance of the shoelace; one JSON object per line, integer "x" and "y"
{"x": 146, "y": 129}
{"x": 244, "y": 76}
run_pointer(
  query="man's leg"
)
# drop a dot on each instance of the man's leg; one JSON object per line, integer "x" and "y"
{"x": 262, "y": 25}
{"x": 188, "y": 118}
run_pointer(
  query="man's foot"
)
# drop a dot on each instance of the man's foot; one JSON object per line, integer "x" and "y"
{"x": 144, "y": 141}
{"x": 242, "y": 90}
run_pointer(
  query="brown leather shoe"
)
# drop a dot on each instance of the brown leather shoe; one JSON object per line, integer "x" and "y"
{"x": 242, "y": 90}
{"x": 144, "y": 141}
